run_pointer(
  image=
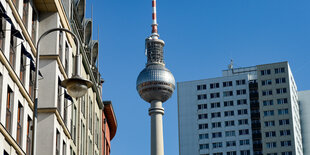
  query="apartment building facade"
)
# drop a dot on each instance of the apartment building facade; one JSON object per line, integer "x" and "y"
{"x": 251, "y": 110}
{"x": 66, "y": 125}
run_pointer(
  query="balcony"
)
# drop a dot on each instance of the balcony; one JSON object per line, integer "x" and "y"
{"x": 45, "y": 5}
{"x": 253, "y": 85}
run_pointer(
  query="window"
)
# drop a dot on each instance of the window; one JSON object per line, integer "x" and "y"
{"x": 272, "y": 153}
{"x": 241, "y": 102}
{"x": 228, "y": 93}
{"x": 29, "y": 137}
{"x": 242, "y": 111}
{"x": 241, "y": 92}
{"x": 65, "y": 110}
{"x": 230, "y": 143}
{"x": 203, "y": 126}
{"x": 73, "y": 123}
{"x": 31, "y": 83}
{"x": 267, "y": 92}
{"x": 202, "y": 106}
{"x": 216, "y": 134}
{"x": 217, "y": 145}
{"x": 287, "y": 153}
{"x": 22, "y": 69}
{"x": 60, "y": 45}
{"x": 285, "y": 132}
{"x": 269, "y": 123}
{"x": 282, "y": 111}
{"x": 228, "y": 103}
{"x": 25, "y": 12}
{"x": 2, "y": 31}
{"x": 279, "y": 70}
{"x": 201, "y": 87}
{"x": 244, "y": 142}
{"x": 230, "y": 123}
{"x": 215, "y": 105}
{"x": 265, "y": 72}
{"x": 214, "y": 85}
{"x": 281, "y": 90}
{"x": 271, "y": 144}
{"x": 34, "y": 26}
{"x": 267, "y": 102}
{"x": 203, "y": 136}
{"x": 269, "y": 113}
{"x": 270, "y": 134}
{"x": 202, "y": 116}
{"x": 284, "y": 122}
{"x": 64, "y": 148}
{"x": 202, "y": 96}
{"x": 90, "y": 146}
{"x": 215, "y": 114}
{"x": 60, "y": 97}
{"x": 66, "y": 58}
{"x": 231, "y": 153}
{"x": 266, "y": 82}
{"x": 286, "y": 143}
{"x": 216, "y": 124}
{"x": 230, "y": 133}
{"x": 214, "y": 95}
{"x": 243, "y": 121}
{"x": 280, "y": 80}
{"x": 19, "y": 124}
{"x": 203, "y": 146}
{"x": 244, "y": 132}
{"x": 229, "y": 113}
{"x": 57, "y": 142}
{"x": 282, "y": 101}
{"x": 97, "y": 132}
{"x": 245, "y": 152}
{"x": 83, "y": 105}
{"x": 240, "y": 82}
{"x": 9, "y": 107}
{"x": 12, "y": 55}
{"x": 227, "y": 84}
{"x": 90, "y": 122}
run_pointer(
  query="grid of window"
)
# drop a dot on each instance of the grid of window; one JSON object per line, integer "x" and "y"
{"x": 230, "y": 143}
{"x": 243, "y": 121}
{"x": 214, "y": 95}
{"x": 231, "y": 153}
{"x": 202, "y": 106}
{"x": 229, "y": 113}
{"x": 217, "y": 145}
{"x": 227, "y": 84}
{"x": 267, "y": 102}
{"x": 285, "y": 132}
{"x": 201, "y": 87}
{"x": 281, "y": 90}
{"x": 286, "y": 143}
{"x": 282, "y": 101}
{"x": 269, "y": 123}
{"x": 216, "y": 124}
{"x": 201, "y": 96}
{"x": 271, "y": 144}
{"x": 230, "y": 123}
{"x": 279, "y": 70}
{"x": 228, "y": 103}
{"x": 241, "y": 102}
{"x": 240, "y": 82}
{"x": 284, "y": 122}
{"x": 244, "y": 142}
{"x": 228, "y": 93}
{"x": 241, "y": 92}
{"x": 267, "y": 92}
{"x": 244, "y": 132}
{"x": 215, "y": 105}
{"x": 266, "y": 82}
{"x": 280, "y": 80}
{"x": 269, "y": 113}
{"x": 287, "y": 153}
{"x": 203, "y": 136}
{"x": 230, "y": 133}
{"x": 214, "y": 85}
{"x": 203, "y": 126}
{"x": 245, "y": 152}
{"x": 242, "y": 111}
{"x": 216, "y": 134}
{"x": 215, "y": 114}
{"x": 265, "y": 72}
{"x": 270, "y": 134}
{"x": 282, "y": 111}
{"x": 202, "y": 116}
{"x": 203, "y": 146}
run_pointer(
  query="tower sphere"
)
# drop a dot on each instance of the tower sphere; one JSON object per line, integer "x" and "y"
{"x": 155, "y": 82}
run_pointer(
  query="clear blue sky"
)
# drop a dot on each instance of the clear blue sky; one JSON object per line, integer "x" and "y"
{"x": 201, "y": 37}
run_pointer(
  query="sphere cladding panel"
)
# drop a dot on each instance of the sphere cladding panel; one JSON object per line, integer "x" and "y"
{"x": 155, "y": 82}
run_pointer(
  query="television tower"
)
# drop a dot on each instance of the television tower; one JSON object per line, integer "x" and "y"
{"x": 155, "y": 85}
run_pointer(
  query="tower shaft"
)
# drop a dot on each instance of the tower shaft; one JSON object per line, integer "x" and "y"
{"x": 156, "y": 111}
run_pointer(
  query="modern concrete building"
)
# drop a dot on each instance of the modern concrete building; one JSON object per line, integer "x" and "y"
{"x": 251, "y": 110}
{"x": 304, "y": 104}
{"x": 65, "y": 125}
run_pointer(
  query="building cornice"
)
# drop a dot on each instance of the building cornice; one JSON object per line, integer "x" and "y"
{"x": 10, "y": 140}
